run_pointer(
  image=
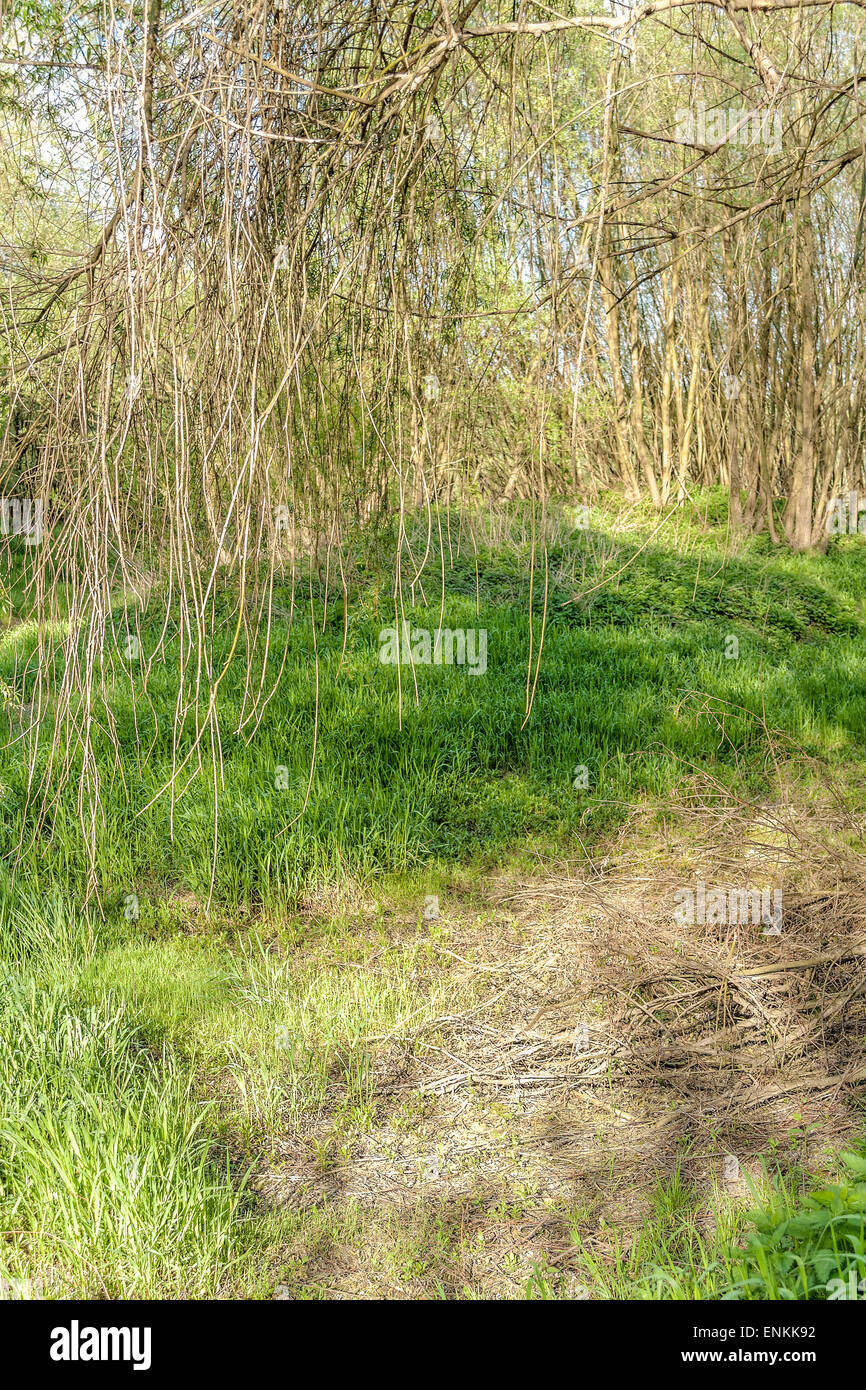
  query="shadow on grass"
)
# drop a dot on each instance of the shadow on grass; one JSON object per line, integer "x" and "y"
{"x": 771, "y": 639}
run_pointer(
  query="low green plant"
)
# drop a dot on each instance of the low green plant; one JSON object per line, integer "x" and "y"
{"x": 811, "y": 1248}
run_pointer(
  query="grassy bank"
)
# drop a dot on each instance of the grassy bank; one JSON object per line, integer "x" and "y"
{"x": 155, "y": 1048}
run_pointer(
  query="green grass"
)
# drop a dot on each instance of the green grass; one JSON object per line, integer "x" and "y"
{"x": 791, "y": 1246}
{"x": 108, "y": 1182}
{"x": 463, "y": 777}
{"x": 119, "y": 1026}
{"x": 812, "y": 1248}
{"x": 283, "y": 1034}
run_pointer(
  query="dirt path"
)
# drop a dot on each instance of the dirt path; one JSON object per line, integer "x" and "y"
{"x": 597, "y": 1048}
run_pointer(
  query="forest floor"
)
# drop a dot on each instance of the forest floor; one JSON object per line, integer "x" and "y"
{"x": 597, "y": 1085}
{"x": 416, "y": 1017}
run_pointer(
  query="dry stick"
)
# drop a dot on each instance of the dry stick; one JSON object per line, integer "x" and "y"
{"x": 218, "y": 89}
{"x": 315, "y": 719}
{"x": 830, "y": 957}
{"x": 531, "y": 696}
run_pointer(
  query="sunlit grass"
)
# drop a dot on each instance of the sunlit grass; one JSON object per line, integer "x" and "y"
{"x": 189, "y": 981}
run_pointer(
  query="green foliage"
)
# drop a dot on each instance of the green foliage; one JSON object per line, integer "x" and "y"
{"x": 800, "y": 1247}
{"x": 106, "y": 1173}
{"x": 111, "y": 1170}
{"x": 456, "y": 773}
{"x": 815, "y": 1249}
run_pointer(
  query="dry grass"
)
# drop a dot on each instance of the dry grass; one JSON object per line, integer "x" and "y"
{"x": 596, "y": 1048}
